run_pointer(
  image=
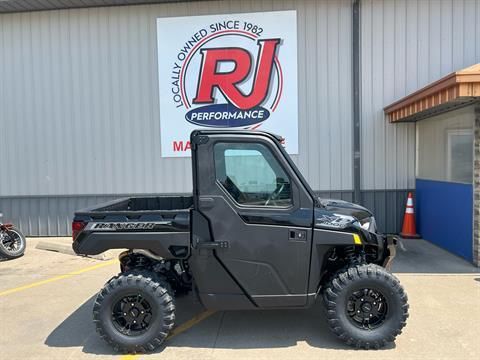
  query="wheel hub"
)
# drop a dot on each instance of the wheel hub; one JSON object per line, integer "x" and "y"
{"x": 132, "y": 314}
{"x": 367, "y": 308}
{"x": 10, "y": 240}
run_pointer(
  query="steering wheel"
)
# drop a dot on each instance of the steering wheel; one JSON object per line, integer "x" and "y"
{"x": 275, "y": 194}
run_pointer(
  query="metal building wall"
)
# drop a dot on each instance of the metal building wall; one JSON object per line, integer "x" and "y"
{"x": 407, "y": 44}
{"x": 79, "y": 98}
{"x": 79, "y": 105}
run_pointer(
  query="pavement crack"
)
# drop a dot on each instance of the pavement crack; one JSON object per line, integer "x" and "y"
{"x": 218, "y": 331}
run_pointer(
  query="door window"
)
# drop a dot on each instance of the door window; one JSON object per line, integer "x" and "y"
{"x": 252, "y": 175}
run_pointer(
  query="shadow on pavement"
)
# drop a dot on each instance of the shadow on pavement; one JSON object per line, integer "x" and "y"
{"x": 420, "y": 256}
{"x": 228, "y": 330}
{"x": 78, "y": 330}
{"x": 263, "y": 329}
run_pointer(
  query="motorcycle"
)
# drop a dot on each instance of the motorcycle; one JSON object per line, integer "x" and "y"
{"x": 12, "y": 241}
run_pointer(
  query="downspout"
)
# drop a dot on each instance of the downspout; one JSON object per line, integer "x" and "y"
{"x": 356, "y": 100}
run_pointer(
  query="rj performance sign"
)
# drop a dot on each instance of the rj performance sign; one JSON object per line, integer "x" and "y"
{"x": 227, "y": 71}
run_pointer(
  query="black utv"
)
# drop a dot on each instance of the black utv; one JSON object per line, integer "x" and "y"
{"x": 253, "y": 235}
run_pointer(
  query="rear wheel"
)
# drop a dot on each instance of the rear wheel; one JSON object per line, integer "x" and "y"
{"x": 12, "y": 243}
{"x": 366, "y": 306}
{"x": 134, "y": 312}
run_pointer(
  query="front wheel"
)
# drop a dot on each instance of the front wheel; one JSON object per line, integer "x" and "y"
{"x": 12, "y": 243}
{"x": 366, "y": 306}
{"x": 134, "y": 312}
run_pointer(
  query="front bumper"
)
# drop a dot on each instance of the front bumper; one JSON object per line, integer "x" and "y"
{"x": 390, "y": 250}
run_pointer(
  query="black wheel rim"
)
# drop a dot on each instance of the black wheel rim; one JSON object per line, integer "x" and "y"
{"x": 11, "y": 241}
{"x": 132, "y": 315}
{"x": 367, "y": 308}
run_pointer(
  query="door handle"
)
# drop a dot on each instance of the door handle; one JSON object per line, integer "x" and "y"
{"x": 213, "y": 245}
{"x": 297, "y": 235}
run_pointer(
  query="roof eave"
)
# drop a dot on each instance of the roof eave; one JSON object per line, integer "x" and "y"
{"x": 452, "y": 91}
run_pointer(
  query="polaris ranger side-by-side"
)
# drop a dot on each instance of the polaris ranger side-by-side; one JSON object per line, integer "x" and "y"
{"x": 253, "y": 235}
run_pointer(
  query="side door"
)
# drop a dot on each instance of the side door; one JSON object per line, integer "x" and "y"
{"x": 260, "y": 216}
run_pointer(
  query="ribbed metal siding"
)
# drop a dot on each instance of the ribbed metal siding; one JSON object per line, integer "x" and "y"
{"x": 46, "y": 216}
{"x": 35, "y": 5}
{"x": 407, "y": 44}
{"x": 79, "y": 98}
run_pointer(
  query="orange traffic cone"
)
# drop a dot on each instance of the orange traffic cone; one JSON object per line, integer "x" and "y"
{"x": 409, "y": 230}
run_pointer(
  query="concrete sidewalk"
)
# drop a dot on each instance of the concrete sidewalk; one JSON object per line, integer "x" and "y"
{"x": 423, "y": 257}
{"x": 63, "y": 245}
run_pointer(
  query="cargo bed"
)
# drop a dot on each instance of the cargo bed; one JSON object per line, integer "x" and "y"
{"x": 136, "y": 205}
{"x": 158, "y": 223}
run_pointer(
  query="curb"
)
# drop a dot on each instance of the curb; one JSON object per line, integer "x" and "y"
{"x": 67, "y": 249}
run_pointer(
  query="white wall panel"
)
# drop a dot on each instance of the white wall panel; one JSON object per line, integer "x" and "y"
{"x": 405, "y": 45}
{"x": 432, "y": 147}
{"x": 79, "y": 98}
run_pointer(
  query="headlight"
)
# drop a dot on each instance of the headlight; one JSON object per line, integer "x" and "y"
{"x": 365, "y": 225}
{"x": 369, "y": 224}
